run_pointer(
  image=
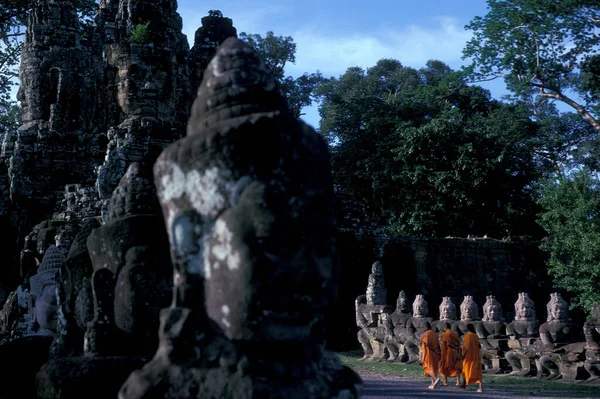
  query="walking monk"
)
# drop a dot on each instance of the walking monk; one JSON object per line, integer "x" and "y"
{"x": 471, "y": 359}
{"x": 430, "y": 350}
{"x": 451, "y": 365}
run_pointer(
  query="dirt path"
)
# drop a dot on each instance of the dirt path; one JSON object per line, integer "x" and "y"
{"x": 391, "y": 387}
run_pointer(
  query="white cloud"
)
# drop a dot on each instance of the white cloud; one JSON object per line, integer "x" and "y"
{"x": 412, "y": 45}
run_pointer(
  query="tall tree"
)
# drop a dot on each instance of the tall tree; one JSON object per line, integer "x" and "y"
{"x": 277, "y": 51}
{"x": 571, "y": 216}
{"x": 544, "y": 50}
{"x": 429, "y": 154}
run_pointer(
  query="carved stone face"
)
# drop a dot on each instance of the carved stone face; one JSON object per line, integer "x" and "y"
{"x": 494, "y": 313}
{"x": 559, "y": 312}
{"x": 251, "y": 261}
{"x": 447, "y": 312}
{"x": 46, "y": 308}
{"x": 139, "y": 89}
{"x": 420, "y": 307}
{"x": 524, "y": 311}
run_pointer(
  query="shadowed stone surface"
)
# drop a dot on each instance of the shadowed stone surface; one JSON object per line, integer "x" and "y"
{"x": 247, "y": 200}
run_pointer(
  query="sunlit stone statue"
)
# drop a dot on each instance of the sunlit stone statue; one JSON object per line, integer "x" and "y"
{"x": 525, "y": 323}
{"x": 491, "y": 331}
{"x": 415, "y": 328}
{"x": 556, "y": 335}
{"x": 523, "y": 332}
{"x": 469, "y": 313}
{"x": 396, "y": 329}
{"x": 447, "y": 314}
{"x": 247, "y": 199}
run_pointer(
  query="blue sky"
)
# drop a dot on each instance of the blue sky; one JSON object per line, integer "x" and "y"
{"x": 333, "y": 35}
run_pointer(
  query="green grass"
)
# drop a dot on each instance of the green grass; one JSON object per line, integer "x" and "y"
{"x": 523, "y": 386}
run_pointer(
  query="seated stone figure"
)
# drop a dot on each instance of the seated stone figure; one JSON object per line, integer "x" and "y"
{"x": 447, "y": 314}
{"x": 371, "y": 316}
{"x": 415, "y": 328}
{"x": 556, "y": 333}
{"x": 523, "y": 332}
{"x": 491, "y": 331}
{"x": 591, "y": 330}
{"x": 469, "y": 313}
{"x": 396, "y": 329}
{"x": 247, "y": 198}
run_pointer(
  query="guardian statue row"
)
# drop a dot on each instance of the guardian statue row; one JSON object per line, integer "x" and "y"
{"x": 557, "y": 348}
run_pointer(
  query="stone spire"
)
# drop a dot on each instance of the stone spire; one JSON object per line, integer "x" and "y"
{"x": 376, "y": 291}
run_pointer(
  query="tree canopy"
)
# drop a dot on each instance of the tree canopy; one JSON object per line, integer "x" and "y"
{"x": 429, "y": 154}
{"x": 544, "y": 49}
{"x": 277, "y": 51}
{"x": 571, "y": 216}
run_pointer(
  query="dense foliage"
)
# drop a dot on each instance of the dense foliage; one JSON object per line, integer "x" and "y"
{"x": 571, "y": 216}
{"x": 277, "y": 51}
{"x": 429, "y": 154}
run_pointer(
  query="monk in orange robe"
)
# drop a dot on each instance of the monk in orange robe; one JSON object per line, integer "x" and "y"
{"x": 430, "y": 350}
{"x": 451, "y": 365}
{"x": 471, "y": 358}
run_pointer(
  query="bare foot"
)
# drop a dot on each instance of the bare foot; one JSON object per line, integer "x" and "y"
{"x": 435, "y": 384}
{"x": 480, "y": 390}
{"x": 431, "y": 387}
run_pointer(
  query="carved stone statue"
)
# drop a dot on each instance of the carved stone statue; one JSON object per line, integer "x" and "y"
{"x": 491, "y": 331}
{"x": 557, "y": 332}
{"x": 523, "y": 332}
{"x": 396, "y": 329}
{"x": 376, "y": 291}
{"x": 492, "y": 324}
{"x": 131, "y": 282}
{"x": 415, "y": 328}
{"x": 372, "y": 315}
{"x": 247, "y": 200}
{"x": 591, "y": 330}
{"x": 43, "y": 304}
{"x": 469, "y": 313}
{"x": 447, "y": 314}
{"x": 525, "y": 323}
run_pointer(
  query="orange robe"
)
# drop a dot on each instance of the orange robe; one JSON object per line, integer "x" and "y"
{"x": 472, "y": 359}
{"x": 451, "y": 363}
{"x": 430, "y": 346}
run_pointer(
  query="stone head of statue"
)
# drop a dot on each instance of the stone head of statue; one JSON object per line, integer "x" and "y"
{"x": 43, "y": 303}
{"x": 557, "y": 308}
{"x": 247, "y": 200}
{"x": 377, "y": 268}
{"x": 420, "y": 307}
{"x": 402, "y": 303}
{"x": 524, "y": 308}
{"x": 447, "y": 309}
{"x": 492, "y": 310}
{"x": 468, "y": 309}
